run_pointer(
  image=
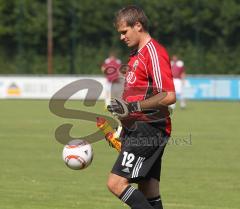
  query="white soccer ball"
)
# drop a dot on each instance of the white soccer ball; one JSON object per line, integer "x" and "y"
{"x": 77, "y": 154}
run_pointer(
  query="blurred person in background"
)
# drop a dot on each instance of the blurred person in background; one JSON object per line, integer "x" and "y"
{"x": 179, "y": 74}
{"x": 110, "y": 68}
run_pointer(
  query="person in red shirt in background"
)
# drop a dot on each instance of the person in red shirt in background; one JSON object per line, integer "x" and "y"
{"x": 110, "y": 68}
{"x": 178, "y": 72}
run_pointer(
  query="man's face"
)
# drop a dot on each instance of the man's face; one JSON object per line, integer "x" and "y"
{"x": 129, "y": 35}
{"x": 174, "y": 58}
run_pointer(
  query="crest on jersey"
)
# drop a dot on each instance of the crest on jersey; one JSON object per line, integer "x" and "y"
{"x": 135, "y": 64}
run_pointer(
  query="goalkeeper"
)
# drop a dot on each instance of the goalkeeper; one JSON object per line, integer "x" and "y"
{"x": 143, "y": 112}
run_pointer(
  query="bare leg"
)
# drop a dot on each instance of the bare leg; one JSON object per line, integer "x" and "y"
{"x": 134, "y": 198}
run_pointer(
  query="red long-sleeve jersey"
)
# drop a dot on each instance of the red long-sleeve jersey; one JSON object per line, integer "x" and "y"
{"x": 149, "y": 73}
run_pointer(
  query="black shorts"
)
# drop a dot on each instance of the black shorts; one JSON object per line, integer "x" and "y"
{"x": 141, "y": 153}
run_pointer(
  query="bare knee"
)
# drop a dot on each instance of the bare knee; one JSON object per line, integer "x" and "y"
{"x": 116, "y": 184}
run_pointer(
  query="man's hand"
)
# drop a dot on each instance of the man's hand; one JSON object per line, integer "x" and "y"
{"x": 121, "y": 108}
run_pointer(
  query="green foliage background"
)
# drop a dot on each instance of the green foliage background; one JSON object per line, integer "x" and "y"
{"x": 204, "y": 33}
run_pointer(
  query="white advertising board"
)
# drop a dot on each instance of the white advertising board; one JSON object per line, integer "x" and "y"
{"x": 44, "y": 87}
{"x": 77, "y": 87}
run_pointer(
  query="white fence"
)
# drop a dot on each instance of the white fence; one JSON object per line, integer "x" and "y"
{"x": 41, "y": 87}
{"x": 44, "y": 87}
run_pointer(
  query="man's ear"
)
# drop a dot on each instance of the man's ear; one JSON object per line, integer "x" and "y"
{"x": 138, "y": 26}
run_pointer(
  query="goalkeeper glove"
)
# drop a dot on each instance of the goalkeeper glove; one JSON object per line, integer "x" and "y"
{"x": 121, "y": 108}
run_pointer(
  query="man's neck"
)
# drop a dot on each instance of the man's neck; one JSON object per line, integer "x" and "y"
{"x": 144, "y": 40}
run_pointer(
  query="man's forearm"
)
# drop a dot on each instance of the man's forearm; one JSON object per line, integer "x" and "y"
{"x": 158, "y": 101}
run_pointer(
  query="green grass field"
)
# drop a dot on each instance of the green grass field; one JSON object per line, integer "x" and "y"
{"x": 201, "y": 167}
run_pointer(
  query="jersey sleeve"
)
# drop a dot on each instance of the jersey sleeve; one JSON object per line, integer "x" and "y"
{"x": 159, "y": 70}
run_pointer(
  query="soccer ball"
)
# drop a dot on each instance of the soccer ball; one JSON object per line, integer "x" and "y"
{"x": 77, "y": 154}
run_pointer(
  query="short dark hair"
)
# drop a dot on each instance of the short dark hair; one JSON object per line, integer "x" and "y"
{"x": 131, "y": 14}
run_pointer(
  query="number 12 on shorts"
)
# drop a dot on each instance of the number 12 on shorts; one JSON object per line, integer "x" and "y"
{"x": 128, "y": 158}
